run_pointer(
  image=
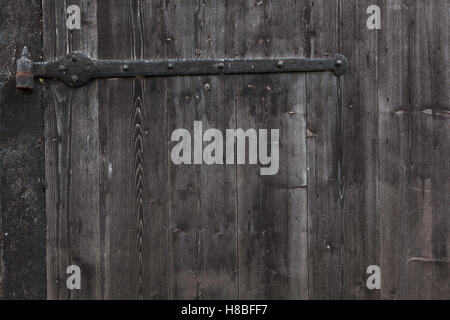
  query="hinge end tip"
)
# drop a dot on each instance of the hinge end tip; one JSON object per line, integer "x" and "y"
{"x": 342, "y": 65}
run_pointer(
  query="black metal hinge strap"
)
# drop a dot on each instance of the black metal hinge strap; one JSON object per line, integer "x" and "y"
{"x": 76, "y": 69}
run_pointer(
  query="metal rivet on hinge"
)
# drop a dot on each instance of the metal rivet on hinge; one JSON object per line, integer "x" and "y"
{"x": 125, "y": 68}
{"x": 74, "y": 78}
{"x": 280, "y": 63}
{"x": 62, "y": 67}
{"x": 221, "y": 65}
{"x": 170, "y": 66}
{"x": 338, "y": 63}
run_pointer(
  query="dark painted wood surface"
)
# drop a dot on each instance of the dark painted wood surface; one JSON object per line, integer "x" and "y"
{"x": 22, "y": 179}
{"x": 364, "y": 176}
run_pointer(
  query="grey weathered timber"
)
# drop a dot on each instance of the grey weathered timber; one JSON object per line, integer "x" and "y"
{"x": 359, "y": 142}
{"x": 135, "y": 171}
{"x": 364, "y": 159}
{"x": 72, "y": 160}
{"x": 394, "y": 145}
{"x": 324, "y": 158}
{"x": 272, "y": 224}
{"x": 428, "y": 194}
{"x": 414, "y": 107}
{"x": 203, "y": 258}
{"x": 181, "y": 239}
{"x": 22, "y": 180}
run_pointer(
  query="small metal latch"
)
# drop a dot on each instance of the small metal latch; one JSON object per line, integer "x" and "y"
{"x": 76, "y": 69}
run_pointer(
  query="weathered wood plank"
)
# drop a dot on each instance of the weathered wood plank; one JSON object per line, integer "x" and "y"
{"x": 359, "y": 140}
{"x": 202, "y": 198}
{"x": 135, "y": 156}
{"x": 414, "y": 171}
{"x": 120, "y": 101}
{"x": 428, "y": 196}
{"x": 326, "y": 185}
{"x": 394, "y": 136}
{"x": 72, "y": 169}
{"x": 272, "y": 224}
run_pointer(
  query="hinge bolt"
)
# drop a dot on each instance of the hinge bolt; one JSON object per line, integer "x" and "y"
{"x": 170, "y": 66}
{"x": 62, "y": 67}
{"x": 280, "y": 63}
{"x": 74, "y": 78}
{"x": 221, "y": 65}
{"x": 125, "y": 67}
{"x": 338, "y": 63}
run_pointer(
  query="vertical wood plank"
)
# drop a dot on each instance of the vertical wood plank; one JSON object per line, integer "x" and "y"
{"x": 121, "y": 102}
{"x": 134, "y": 155}
{"x": 325, "y": 158}
{"x": 415, "y": 171}
{"x": 359, "y": 127}
{"x": 53, "y": 18}
{"x": 395, "y": 144}
{"x": 429, "y": 178}
{"x": 201, "y": 198}
{"x": 156, "y": 261}
{"x": 272, "y": 224}
{"x": 72, "y": 169}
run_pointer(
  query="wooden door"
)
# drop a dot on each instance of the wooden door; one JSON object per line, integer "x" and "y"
{"x": 356, "y": 186}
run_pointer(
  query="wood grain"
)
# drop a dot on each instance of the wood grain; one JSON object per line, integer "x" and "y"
{"x": 394, "y": 105}
{"x": 72, "y": 166}
{"x": 414, "y": 173}
{"x": 429, "y": 222}
{"x": 135, "y": 156}
{"x": 272, "y": 224}
{"x": 359, "y": 142}
{"x": 326, "y": 185}
{"x": 203, "y": 261}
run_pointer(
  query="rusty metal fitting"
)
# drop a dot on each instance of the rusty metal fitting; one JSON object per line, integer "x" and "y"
{"x": 24, "y": 75}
